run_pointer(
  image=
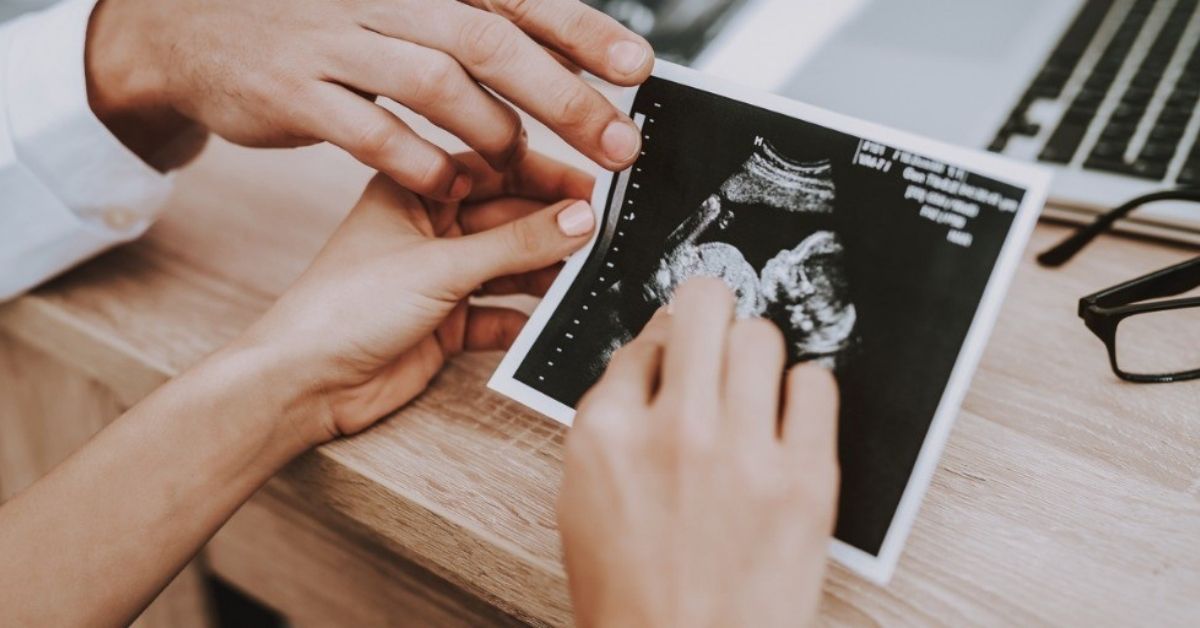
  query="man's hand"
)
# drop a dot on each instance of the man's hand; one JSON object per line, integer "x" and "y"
{"x": 384, "y": 305}
{"x": 690, "y": 498}
{"x": 270, "y": 73}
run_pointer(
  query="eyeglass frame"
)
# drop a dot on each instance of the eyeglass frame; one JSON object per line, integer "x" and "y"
{"x": 1103, "y": 311}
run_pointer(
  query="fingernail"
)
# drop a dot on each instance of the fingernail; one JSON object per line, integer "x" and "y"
{"x": 577, "y": 219}
{"x": 620, "y": 141}
{"x": 627, "y": 57}
{"x": 461, "y": 187}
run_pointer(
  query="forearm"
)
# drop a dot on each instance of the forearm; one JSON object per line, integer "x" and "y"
{"x": 98, "y": 538}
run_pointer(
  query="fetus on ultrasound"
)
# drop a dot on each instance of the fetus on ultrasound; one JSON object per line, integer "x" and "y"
{"x": 802, "y": 287}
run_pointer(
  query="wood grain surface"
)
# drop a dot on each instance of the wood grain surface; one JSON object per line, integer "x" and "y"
{"x": 1064, "y": 496}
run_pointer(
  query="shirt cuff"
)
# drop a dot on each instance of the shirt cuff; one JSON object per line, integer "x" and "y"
{"x": 58, "y": 138}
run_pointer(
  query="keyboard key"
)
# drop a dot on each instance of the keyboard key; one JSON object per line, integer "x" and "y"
{"x": 1120, "y": 132}
{"x": 1080, "y": 114}
{"x": 1127, "y": 112}
{"x": 1174, "y": 114}
{"x": 1021, "y": 127}
{"x": 1137, "y": 95}
{"x": 1148, "y": 169}
{"x": 1140, "y": 169}
{"x": 1158, "y": 151}
{"x": 1083, "y": 29}
{"x": 1163, "y": 132}
{"x": 1063, "y": 143}
{"x": 1145, "y": 81}
{"x": 1108, "y": 151}
{"x": 1182, "y": 99}
{"x": 1107, "y": 165}
{"x": 1190, "y": 174}
{"x": 1191, "y": 166}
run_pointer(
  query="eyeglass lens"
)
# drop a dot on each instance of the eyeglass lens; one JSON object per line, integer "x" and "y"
{"x": 1159, "y": 343}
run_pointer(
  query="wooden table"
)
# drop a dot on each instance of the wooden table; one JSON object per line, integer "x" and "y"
{"x": 1064, "y": 496}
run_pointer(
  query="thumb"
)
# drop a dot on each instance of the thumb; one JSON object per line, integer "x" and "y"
{"x": 526, "y": 244}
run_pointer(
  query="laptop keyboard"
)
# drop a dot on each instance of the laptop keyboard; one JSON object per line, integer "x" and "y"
{"x": 1127, "y": 82}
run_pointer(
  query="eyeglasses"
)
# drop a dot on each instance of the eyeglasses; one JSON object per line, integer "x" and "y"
{"x": 1149, "y": 337}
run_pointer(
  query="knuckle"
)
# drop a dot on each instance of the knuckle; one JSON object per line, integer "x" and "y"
{"x": 688, "y": 428}
{"x": 373, "y": 140}
{"x": 434, "y": 81}
{"x": 437, "y": 174}
{"x": 523, "y": 238}
{"x": 599, "y": 421}
{"x": 489, "y": 41}
{"x": 515, "y": 10}
{"x": 507, "y": 138}
{"x": 765, "y": 482}
{"x": 581, "y": 25}
{"x": 574, "y": 107}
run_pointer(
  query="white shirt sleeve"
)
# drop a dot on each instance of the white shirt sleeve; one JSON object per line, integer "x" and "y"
{"x": 68, "y": 188}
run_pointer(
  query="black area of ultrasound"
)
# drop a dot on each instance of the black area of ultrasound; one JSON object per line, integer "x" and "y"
{"x": 914, "y": 293}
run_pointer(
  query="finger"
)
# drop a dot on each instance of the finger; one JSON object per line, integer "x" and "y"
{"x": 492, "y": 328}
{"x": 564, "y": 62}
{"x": 489, "y": 215}
{"x": 754, "y": 364}
{"x": 535, "y": 241}
{"x": 379, "y": 139}
{"x": 810, "y": 413}
{"x": 702, "y": 309}
{"x": 585, "y": 36}
{"x": 434, "y": 85}
{"x": 502, "y": 57}
{"x": 534, "y": 283}
{"x": 633, "y": 373}
{"x": 535, "y": 176}
{"x": 451, "y": 333}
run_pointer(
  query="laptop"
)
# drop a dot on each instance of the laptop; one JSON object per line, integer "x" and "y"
{"x": 1103, "y": 92}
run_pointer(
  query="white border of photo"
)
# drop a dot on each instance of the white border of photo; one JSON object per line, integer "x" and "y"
{"x": 1033, "y": 179}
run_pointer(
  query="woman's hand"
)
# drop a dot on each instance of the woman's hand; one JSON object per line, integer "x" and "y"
{"x": 384, "y": 305}
{"x": 360, "y": 333}
{"x": 271, "y": 73}
{"x": 691, "y": 498}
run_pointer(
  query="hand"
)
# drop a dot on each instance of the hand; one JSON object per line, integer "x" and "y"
{"x": 270, "y": 73}
{"x": 687, "y": 499}
{"x": 384, "y": 304}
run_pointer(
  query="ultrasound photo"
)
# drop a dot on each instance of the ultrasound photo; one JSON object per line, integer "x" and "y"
{"x": 802, "y": 287}
{"x": 871, "y": 257}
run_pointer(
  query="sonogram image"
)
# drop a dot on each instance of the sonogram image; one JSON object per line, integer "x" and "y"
{"x": 807, "y": 235}
{"x": 802, "y": 288}
{"x": 799, "y": 283}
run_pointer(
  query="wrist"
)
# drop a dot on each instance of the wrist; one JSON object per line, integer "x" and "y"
{"x": 271, "y": 395}
{"x": 129, "y": 94}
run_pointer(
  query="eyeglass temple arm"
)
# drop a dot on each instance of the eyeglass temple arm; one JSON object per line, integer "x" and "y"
{"x": 1167, "y": 282}
{"x": 1067, "y": 249}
